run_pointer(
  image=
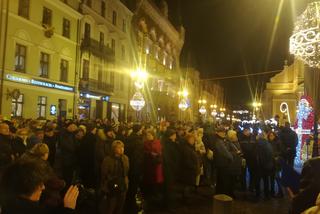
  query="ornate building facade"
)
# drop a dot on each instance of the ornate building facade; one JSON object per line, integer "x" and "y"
{"x": 38, "y": 60}
{"x": 158, "y": 46}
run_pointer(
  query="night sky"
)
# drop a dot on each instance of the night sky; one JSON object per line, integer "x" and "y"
{"x": 232, "y": 37}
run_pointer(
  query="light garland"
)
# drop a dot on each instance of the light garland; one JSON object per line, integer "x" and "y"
{"x": 305, "y": 41}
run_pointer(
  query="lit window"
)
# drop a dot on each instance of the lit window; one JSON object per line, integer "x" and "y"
{"x": 64, "y": 67}
{"x": 66, "y": 28}
{"x": 20, "y": 58}
{"x": 114, "y": 17}
{"x": 17, "y": 106}
{"x": 47, "y": 16}
{"x": 44, "y": 65}
{"x": 42, "y": 104}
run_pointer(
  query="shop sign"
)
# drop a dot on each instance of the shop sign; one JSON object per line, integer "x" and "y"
{"x": 53, "y": 110}
{"x": 95, "y": 97}
{"x": 41, "y": 83}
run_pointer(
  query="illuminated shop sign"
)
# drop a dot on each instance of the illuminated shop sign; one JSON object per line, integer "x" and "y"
{"x": 40, "y": 83}
{"x": 95, "y": 97}
{"x": 53, "y": 110}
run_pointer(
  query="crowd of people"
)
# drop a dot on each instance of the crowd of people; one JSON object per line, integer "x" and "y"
{"x": 70, "y": 166}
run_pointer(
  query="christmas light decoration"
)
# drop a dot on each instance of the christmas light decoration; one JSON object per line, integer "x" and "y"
{"x": 203, "y": 110}
{"x": 137, "y": 102}
{"x": 305, "y": 41}
{"x": 214, "y": 113}
{"x": 183, "y": 105}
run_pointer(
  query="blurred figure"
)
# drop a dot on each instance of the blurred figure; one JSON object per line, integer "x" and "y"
{"x": 114, "y": 178}
{"x": 275, "y": 176}
{"x": 223, "y": 160}
{"x": 190, "y": 166}
{"x": 265, "y": 164}
{"x": 22, "y": 185}
{"x": 19, "y": 145}
{"x": 51, "y": 139}
{"x": 289, "y": 140}
{"x": 153, "y": 171}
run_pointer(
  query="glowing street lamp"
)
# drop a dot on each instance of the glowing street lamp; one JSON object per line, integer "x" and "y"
{"x": 203, "y": 110}
{"x": 214, "y": 113}
{"x": 184, "y": 93}
{"x": 183, "y": 105}
{"x": 137, "y": 102}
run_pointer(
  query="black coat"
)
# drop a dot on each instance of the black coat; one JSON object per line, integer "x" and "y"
{"x": 134, "y": 149}
{"x": 171, "y": 154}
{"x": 68, "y": 147}
{"x": 309, "y": 186}
{"x": 23, "y": 206}
{"x": 190, "y": 165}
{"x": 248, "y": 148}
{"x": 289, "y": 140}
{"x": 222, "y": 155}
{"x": 52, "y": 145}
{"x": 18, "y": 147}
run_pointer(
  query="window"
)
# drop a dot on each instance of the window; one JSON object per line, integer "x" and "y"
{"x": 123, "y": 52}
{"x": 20, "y": 58}
{"x": 112, "y": 78}
{"x": 113, "y": 45}
{"x": 87, "y": 31}
{"x": 47, "y": 16}
{"x": 89, "y": 3}
{"x": 66, "y": 28}
{"x": 103, "y": 9}
{"x": 124, "y": 25}
{"x": 17, "y": 106}
{"x": 114, "y": 17}
{"x": 42, "y": 104}
{"x": 23, "y": 9}
{"x": 64, "y": 67}
{"x": 101, "y": 42}
{"x": 44, "y": 65}
{"x": 85, "y": 74}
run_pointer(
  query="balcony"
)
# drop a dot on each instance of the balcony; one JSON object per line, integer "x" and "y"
{"x": 92, "y": 85}
{"x": 97, "y": 49}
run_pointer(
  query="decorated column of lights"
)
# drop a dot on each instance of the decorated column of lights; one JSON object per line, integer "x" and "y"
{"x": 183, "y": 95}
{"x": 137, "y": 101}
{"x": 214, "y": 112}
{"x": 305, "y": 45}
{"x": 222, "y": 114}
{"x": 256, "y": 108}
{"x": 202, "y": 108}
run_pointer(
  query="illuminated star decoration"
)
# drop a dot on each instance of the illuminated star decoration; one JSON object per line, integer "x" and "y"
{"x": 305, "y": 41}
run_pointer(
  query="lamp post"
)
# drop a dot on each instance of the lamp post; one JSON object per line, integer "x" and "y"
{"x": 304, "y": 45}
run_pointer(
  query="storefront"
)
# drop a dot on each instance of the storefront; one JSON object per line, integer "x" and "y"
{"x": 116, "y": 111}
{"x": 30, "y": 97}
{"x": 92, "y": 105}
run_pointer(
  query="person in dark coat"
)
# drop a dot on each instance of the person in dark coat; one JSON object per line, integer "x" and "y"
{"x": 275, "y": 176}
{"x": 289, "y": 140}
{"x": 248, "y": 148}
{"x": 68, "y": 147}
{"x": 19, "y": 145}
{"x": 86, "y": 157}
{"x": 36, "y": 137}
{"x": 134, "y": 149}
{"x": 21, "y": 188}
{"x": 171, "y": 165}
{"x": 190, "y": 166}
{"x": 51, "y": 139}
{"x": 223, "y": 159}
{"x": 309, "y": 186}
{"x": 265, "y": 163}
{"x": 6, "y": 140}
{"x": 102, "y": 148}
{"x": 114, "y": 178}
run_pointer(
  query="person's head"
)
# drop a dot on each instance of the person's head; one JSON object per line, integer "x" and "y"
{"x": 190, "y": 138}
{"x": 72, "y": 127}
{"x": 171, "y": 135}
{"x": 23, "y": 133}
{"x": 40, "y": 150}
{"x": 137, "y": 129}
{"x": 246, "y": 132}
{"x": 49, "y": 131}
{"x": 80, "y": 134}
{"x": 272, "y": 136}
{"x": 24, "y": 179}
{"x": 221, "y": 132}
{"x": 39, "y": 133}
{"x": 117, "y": 147}
{"x": 200, "y": 132}
{"x": 109, "y": 131}
{"x": 150, "y": 134}
{"x": 287, "y": 125}
{"x": 4, "y": 129}
{"x": 232, "y": 136}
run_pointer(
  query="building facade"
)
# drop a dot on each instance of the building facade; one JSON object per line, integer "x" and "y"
{"x": 286, "y": 86}
{"x": 105, "y": 59}
{"x": 158, "y": 46}
{"x": 38, "y": 58}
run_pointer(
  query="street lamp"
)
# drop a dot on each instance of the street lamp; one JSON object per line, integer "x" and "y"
{"x": 183, "y": 105}
{"x": 139, "y": 76}
{"x": 202, "y": 108}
